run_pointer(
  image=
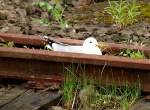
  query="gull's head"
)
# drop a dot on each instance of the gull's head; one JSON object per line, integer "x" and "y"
{"x": 91, "y": 46}
{"x": 90, "y": 42}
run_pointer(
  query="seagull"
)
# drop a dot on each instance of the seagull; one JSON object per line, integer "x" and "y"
{"x": 89, "y": 46}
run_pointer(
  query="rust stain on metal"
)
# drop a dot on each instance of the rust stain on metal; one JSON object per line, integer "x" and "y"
{"x": 34, "y": 77}
{"x": 147, "y": 97}
{"x": 22, "y": 39}
{"x": 35, "y": 64}
{"x": 114, "y": 61}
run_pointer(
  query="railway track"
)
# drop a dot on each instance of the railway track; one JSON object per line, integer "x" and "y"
{"x": 44, "y": 67}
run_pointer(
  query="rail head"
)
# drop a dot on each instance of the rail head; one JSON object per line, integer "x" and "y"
{"x": 51, "y": 56}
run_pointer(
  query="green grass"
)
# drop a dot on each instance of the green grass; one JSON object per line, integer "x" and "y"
{"x": 83, "y": 92}
{"x": 113, "y": 97}
{"x": 43, "y": 21}
{"x": 69, "y": 86}
{"x": 123, "y": 13}
{"x": 6, "y": 44}
{"x": 53, "y": 10}
{"x": 137, "y": 54}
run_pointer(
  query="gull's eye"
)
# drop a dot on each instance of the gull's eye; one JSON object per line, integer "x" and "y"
{"x": 90, "y": 41}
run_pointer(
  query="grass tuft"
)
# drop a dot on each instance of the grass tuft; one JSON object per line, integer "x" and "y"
{"x": 55, "y": 12}
{"x": 123, "y": 12}
{"x": 82, "y": 93}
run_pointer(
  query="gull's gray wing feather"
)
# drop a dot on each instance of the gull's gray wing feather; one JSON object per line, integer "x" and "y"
{"x": 58, "y": 46}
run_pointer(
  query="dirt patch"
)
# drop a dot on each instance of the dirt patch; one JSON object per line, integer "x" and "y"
{"x": 16, "y": 16}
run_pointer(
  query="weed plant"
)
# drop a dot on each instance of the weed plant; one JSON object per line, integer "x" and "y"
{"x": 11, "y": 44}
{"x": 55, "y": 11}
{"x": 137, "y": 54}
{"x": 123, "y": 12}
{"x": 69, "y": 86}
{"x": 6, "y": 44}
{"x": 91, "y": 96}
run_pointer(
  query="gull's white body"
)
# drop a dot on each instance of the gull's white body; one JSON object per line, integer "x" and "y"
{"x": 89, "y": 47}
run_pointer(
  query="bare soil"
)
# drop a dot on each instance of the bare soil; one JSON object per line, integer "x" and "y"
{"x": 16, "y": 16}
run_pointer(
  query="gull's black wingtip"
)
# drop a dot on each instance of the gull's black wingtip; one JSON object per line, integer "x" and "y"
{"x": 48, "y": 40}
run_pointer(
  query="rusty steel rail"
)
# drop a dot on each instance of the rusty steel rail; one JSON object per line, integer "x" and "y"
{"x": 48, "y": 66}
{"x": 38, "y": 41}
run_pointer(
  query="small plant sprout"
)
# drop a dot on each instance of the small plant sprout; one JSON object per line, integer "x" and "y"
{"x": 123, "y": 13}
{"x": 43, "y": 21}
{"x": 55, "y": 12}
{"x": 6, "y": 44}
{"x": 137, "y": 54}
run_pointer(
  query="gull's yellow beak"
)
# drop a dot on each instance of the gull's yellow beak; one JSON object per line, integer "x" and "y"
{"x": 97, "y": 45}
